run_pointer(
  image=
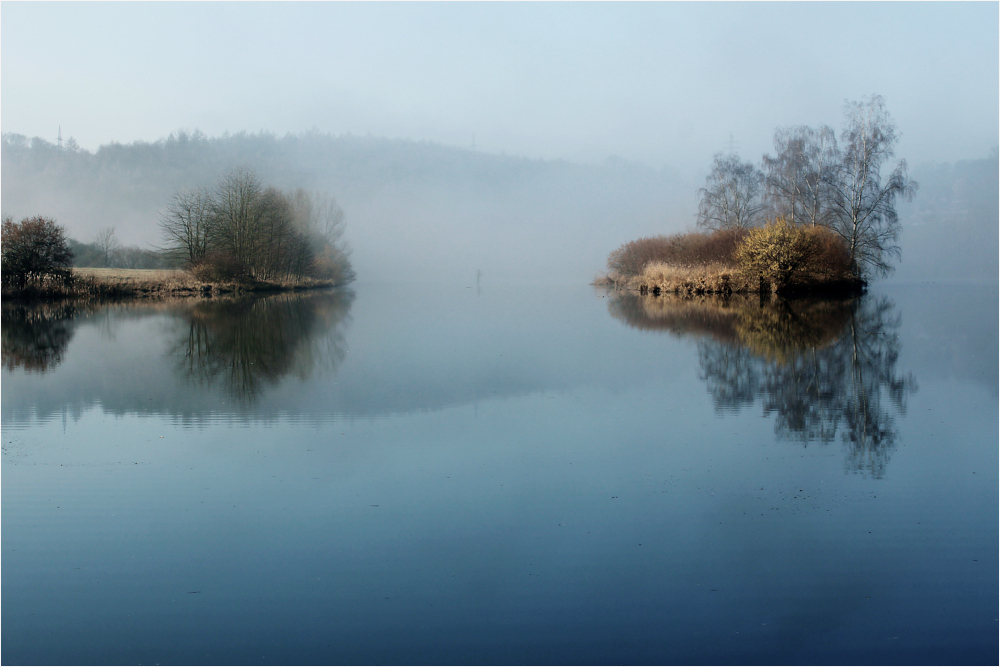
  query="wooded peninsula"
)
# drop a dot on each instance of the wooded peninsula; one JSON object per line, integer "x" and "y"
{"x": 238, "y": 237}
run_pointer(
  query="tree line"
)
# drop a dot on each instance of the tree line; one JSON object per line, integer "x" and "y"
{"x": 104, "y": 250}
{"x": 813, "y": 181}
{"x": 239, "y": 231}
{"x": 242, "y": 230}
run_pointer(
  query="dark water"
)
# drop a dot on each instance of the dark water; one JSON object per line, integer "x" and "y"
{"x": 502, "y": 475}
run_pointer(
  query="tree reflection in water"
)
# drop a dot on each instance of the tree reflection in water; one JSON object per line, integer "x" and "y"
{"x": 35, "y": 337}
{"x": 248, "y": 344}
{"x": 819, "y": 366}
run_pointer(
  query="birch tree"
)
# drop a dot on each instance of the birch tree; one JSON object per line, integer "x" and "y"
{"x": 864, "y": 204}
{"x": 731, "y": 198}
{"x": 795, "y": 183}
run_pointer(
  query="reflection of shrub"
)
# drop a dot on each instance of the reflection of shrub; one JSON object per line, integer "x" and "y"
{"x": 780, "y": 330}
{"x": 783, "y": 254}
{"x": 692, "y": 249}
{"x": 35, "y": 337}
{"x": 218, "y": 267}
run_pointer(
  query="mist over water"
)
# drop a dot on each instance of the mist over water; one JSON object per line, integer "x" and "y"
{"x": 428, "y": 213}
{"x": 525, "y": 141}
{"x": 471, "y": 455}
{"x": 364, "y": 476}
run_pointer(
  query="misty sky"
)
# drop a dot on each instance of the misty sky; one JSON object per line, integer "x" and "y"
{"x": 662, "y": 83}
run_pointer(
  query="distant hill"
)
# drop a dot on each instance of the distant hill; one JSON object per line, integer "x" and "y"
{"x": 951, "y": 230}
{"x": 420, "y": 211}
{"x": 415, "y": 210}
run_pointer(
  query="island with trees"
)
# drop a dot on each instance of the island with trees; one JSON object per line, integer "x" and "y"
{"x": 239, "y": 236}
{"x": 815, "y": 217}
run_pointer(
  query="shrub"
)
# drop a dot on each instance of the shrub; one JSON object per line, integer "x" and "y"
{"x": 632, "y": 257}
{"x": 832, "y": 257}
{"x": 682, "y": 250}
{"x": 700, "y": 249}
{"x": 332, "y": 265}
{"x": 782, "y": 254}
{"x": 33, "y": 250}
{"x": 219, "y": 267}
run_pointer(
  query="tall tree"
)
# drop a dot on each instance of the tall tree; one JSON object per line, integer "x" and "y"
{"x": 186, "y": 224}
{"x": 731, "y": 198}
{"x": 795, "y": 182}
{"x": 108, "y": 245}
{"x": 237, "y": 216}
{"x": 243, "y": 230}
{"x": 864, "y": 204}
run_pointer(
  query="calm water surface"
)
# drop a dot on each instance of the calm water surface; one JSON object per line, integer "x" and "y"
{"x": 407, "y": 474}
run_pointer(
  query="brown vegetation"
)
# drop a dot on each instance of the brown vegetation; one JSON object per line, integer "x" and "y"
{"x": 770, "y": 327}
{"x": 91, "y": 283}
{"x": 682, "y": 250}
{"x": 778, "y": 257}
{"x": 785, "y": 256}
{"x": 34, "y": 251}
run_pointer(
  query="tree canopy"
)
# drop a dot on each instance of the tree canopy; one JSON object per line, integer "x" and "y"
{"x": 244, "y": 230}
{"x": 812, "y": 181}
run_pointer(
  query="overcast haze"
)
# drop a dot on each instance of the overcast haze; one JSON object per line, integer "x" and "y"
{"x": 379, "y": 105}
{"x": 662, "y": 83}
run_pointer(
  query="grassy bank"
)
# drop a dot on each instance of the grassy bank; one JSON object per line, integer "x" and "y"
{"x": 87, "y": 283}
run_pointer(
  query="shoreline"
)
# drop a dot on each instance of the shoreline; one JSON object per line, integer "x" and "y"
{"x": 89, "y": 283}
{"x": 724, "y": 282}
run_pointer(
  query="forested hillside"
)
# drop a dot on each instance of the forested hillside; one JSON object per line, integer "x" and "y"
{"x": 950, "y": 229}
{"x": 427, "y": 212}
{"x": 414, "y": 211}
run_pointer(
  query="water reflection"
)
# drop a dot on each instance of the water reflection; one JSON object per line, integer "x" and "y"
{"x": 35, "y": 337}
{"x": 235, "y": 347}
{"x": 821, "y": 367}
{"x": 243, "y": 346}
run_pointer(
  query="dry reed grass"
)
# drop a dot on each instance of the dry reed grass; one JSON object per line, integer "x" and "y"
{"x": 90, "y": 283}
{"x": 715, "y": 278}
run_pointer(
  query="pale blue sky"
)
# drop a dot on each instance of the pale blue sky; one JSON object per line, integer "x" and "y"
{"x": 662, "y": 83}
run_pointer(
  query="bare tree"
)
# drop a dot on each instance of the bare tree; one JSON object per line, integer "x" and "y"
{"x": 822, "y": 156}
{"x": 237, "y": 218}
{"x": 186, "y": 225}
{"x": 286, "y": 250}
{"x": 731, "y": 198}
{"x": 134, "y": 257}
{"x": 108, "y": 245}
{"x": 244, "y": 230}
{"x": 864, "y": 206}
{"x": 322, "y": 220}
{"x": 795, "y": 185}
{"x": 328, "y": 220}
